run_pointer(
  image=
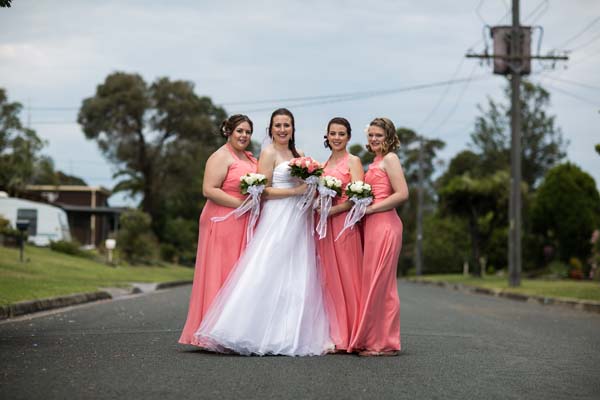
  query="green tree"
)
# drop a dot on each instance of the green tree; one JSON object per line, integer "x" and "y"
{"x": 158, "y": 137}
{"x": 482, "y": 202}
{"x": 46, "y": 174}
{"x": 5, "y": 3}
{"x": 19, "y": 147}
{"x": 566, "y": 210}
{"x": 135, "y": 240}
{"x": 598, "y": 148}
{"x": 542, "y": 141}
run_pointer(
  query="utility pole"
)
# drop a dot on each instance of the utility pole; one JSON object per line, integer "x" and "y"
{"x": 512, "y": 56}
{"x": 419, "y": 253}
{"x": 514, "y": 203}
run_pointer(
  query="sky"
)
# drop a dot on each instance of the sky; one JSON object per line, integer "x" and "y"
{"x": 239, "y": 53}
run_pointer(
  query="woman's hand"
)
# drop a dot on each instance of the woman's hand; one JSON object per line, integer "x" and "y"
{"x": 300, "y": 189}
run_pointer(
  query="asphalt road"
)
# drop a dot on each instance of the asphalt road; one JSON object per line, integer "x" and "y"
{"x": 455, "y": 346}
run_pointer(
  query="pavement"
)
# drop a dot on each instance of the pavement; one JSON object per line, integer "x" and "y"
{"x": 456, "y": 345}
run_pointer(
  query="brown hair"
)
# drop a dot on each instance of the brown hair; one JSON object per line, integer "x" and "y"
{"x": 391, "y": 141}
{"x": 292, "y": 142}
{"x": 229, "y": 125}
{"x": 340, "y": 121}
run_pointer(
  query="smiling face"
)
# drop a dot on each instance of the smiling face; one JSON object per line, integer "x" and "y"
{"x": 281, "y": 129}
{"x": 337, "y": 137}
{"x": 376, "y": 138}
{"x": 240, "y": 137}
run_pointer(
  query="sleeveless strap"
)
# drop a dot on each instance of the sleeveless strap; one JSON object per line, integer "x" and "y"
{"x": 231, "y": 151}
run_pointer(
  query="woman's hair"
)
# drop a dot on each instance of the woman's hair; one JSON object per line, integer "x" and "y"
{"x": 292, "y": 142}
{"x": 229, "y": 125}
{"x": 391, "y": 141}
{"x": 340, "y": 121}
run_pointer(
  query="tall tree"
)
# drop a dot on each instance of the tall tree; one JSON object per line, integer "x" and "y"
{"x": 566, "y": 210}
{"x": 157, "y": 136}
{"x": 46, "y": 174}
{"x": 542, "y": 141}
{"x": 19, "y": 147}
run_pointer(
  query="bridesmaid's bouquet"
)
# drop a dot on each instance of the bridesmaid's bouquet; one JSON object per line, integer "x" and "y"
{"x": 329, "y": 187}
{"x": 308, "y": 170}
{"x": 361, "y": 195}
{"x": 252, "y": 184}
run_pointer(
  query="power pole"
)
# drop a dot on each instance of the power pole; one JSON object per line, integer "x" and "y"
{"x": 419, "y": 253}
{"x": 512, "y": 57}
{"x": 514, "y": 203}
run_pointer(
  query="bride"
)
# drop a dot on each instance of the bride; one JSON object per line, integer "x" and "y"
{"x": 272, "y": 302}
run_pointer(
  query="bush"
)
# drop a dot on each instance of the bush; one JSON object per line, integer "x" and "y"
{"x": 9, "y": 236}
{"x": 135, "y": 240}
{"x": 445, "y": 244}
{"x": 71, "y": 248}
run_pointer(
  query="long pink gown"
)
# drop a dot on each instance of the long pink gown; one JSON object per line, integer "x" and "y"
{"x": 341, "y": 267}
{"x": 379, "y": 322}
{"x": 220, "y": 245}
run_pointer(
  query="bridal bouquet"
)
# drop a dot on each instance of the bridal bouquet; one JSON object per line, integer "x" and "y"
{"x": 308, "y": 170}
{"x": 361, "y": 195}
{"x": 329, "y": 187}
{"x": 252, "y": 184}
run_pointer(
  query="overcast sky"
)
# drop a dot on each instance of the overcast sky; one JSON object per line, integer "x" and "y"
{"x": 54, "y": 54}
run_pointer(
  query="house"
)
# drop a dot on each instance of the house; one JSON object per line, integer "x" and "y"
{"x": 91, "y": 219}
{"x": 46, "y": 223}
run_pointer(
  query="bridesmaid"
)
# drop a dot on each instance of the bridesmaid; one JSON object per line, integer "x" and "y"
{"x": 378, "y": 330}
{"x": 341, "y": 260}
{"x": 220, "y": 244}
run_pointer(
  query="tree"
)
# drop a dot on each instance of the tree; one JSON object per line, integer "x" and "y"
{"x": 566, "y": 210}
{"x": 19, "y": 147}
{"x": 5, "y": 3}
{"x": 482, "y": 202}
{"x": 46, "y": 174}
{"x": 598, "y": 148}
{"x": 157, "y": 136}
{"x": 135, "y": 240}
{"x": 543, "y": 144}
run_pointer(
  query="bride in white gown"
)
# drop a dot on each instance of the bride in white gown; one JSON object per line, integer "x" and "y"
{"x": 272, "y": 302}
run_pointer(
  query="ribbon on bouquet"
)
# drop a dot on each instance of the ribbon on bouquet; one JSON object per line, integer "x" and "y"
{"x": 357, "y": 211}
{"x": 324, "y": 202}
{"x": 252, "y": 204}
{"x": 307, "y": 198}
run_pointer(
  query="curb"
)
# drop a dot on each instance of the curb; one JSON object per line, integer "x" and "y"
{"x": 584, "y": 305}
{"x": 51, "y": 303}
{"x": 33, "y": 306}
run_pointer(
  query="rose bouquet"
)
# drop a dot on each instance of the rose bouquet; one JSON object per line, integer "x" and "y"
{"x": 308, "y": 170}
{"x": 253, "y": 185}
{"x": 361, "y": 195}
{"x": 329, "y": 187}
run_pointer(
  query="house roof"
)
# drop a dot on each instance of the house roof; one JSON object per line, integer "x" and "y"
{"x": 68, "y": 188}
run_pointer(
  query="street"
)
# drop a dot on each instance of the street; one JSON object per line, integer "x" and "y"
{"x": 455, "y": 346}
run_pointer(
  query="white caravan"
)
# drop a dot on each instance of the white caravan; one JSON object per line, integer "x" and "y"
{"x": 46, "y": 223}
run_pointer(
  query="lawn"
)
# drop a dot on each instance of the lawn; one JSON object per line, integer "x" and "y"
{"x": 570, "y": 289}
{"x": 47, "y": 273}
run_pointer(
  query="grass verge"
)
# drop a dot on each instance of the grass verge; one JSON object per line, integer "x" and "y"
{"x": 567, "y": 289}
{"x": 47, "y": 273}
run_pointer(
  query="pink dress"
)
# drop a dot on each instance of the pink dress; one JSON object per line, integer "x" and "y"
{"x": 341, "y": 267}
{"x": 220, "y": 245}
{"x": 379, "y": 322}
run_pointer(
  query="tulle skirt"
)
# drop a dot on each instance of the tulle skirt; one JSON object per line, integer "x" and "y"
{"x": 272, "y": 302}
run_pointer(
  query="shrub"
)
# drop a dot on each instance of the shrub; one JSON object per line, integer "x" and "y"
{"x": 135, "y": 240}
{"x": 9, "y": 236}
{"x": 72, "y": 248}
{"x": 445, "y": 244}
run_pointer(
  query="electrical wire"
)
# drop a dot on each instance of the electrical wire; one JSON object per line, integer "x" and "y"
{"x": 578, "y": 34}
{"x": 595, "y": 104}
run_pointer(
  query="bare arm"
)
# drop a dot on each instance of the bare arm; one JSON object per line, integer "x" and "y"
{"x": 393, "y": 169}
{"x": 356, "y": 174}
{"x": 266, "y": 165}
{"x": 214, "y": 176}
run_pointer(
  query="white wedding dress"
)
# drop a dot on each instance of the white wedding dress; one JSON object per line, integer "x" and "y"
{"x": 272, "y": 302}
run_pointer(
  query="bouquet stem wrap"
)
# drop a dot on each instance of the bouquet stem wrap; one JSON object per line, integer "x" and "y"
{"x": 357, "y": 211}
{"x": 252, "y": 204}
{"x": 325, "y": 200}
{"x": 307, "y": 198}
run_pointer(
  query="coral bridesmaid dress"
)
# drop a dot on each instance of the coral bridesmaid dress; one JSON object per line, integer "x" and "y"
{"x": 341, "y": 267}
{"x": 379, "y": 323}
{"x": 220, "y": 245}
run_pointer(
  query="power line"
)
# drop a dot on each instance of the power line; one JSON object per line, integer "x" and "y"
{"x": 586, "y": 43}
{"x": 575, "y": 96}
{"x": 578, "y": 34}
{"x": 364, "y": 95}
{"x": 584, "y": 85}
{"x": 536, "y": 9}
